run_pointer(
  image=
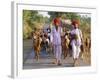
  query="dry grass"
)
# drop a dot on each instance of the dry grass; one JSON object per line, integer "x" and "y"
{"x": 86, "y": 56}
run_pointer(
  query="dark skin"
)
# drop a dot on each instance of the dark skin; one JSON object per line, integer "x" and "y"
{"x": 56, "y": 26}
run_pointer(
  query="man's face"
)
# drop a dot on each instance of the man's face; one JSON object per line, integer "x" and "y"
{"x": 76, "y": 25}
{"x": 56, "y": 24}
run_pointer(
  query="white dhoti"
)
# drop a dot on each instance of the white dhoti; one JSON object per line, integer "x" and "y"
{"x": 76, "y": 43}
{"x": 75, "y": 50}
{"x": 57, "y": 52}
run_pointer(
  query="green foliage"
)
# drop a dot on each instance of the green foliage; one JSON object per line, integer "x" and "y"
{"x": 85, "y": 26}
{"x": 64, "y": 15}
{"x": 27, "y": 32}
{"x": 31, "y": 20}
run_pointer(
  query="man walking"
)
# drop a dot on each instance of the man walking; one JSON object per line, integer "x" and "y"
{"x": 76, "y": 40}
{"x": 56, "y": 40}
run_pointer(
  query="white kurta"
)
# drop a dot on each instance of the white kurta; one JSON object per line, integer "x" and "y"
{"x": 76, "y": 43}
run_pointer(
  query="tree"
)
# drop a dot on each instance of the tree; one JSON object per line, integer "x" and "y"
{"x": 64, "y": 15}
{"x": 31, "y": 21}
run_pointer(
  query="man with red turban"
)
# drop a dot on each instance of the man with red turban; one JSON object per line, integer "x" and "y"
{"x": 76, "y": 41}
{"x": 56, "y": 40}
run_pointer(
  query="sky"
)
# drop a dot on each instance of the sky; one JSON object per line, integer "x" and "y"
{"x": 45, "y": 14}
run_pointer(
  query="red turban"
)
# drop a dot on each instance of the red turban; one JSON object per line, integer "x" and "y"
{"x": 56, "y": 20}
{"x": 75, "y": 22}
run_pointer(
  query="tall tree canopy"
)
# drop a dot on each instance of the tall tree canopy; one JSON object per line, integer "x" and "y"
{"x": 64, "y": 15}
